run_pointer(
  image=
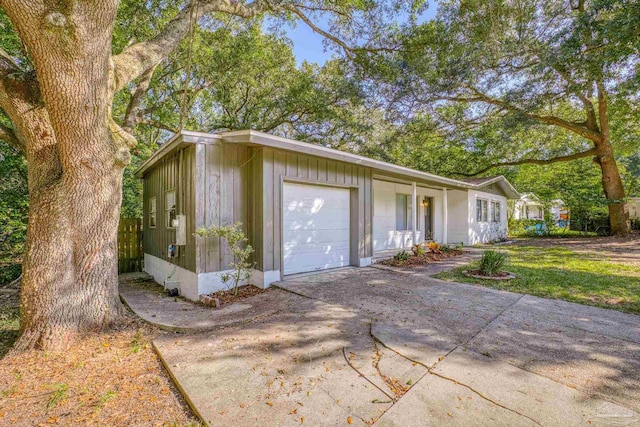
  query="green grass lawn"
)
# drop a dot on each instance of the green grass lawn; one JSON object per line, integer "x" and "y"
{"x": 557, "y": 272}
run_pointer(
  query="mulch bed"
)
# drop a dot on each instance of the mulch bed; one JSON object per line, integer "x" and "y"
{"x": 227, "y": 297}
{"x": 500, "y": 275}
{"x": 424, "y": 259}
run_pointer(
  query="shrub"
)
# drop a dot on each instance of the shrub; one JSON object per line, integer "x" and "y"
{"x": 401, "y": 256}
{"x": 418, "y": 250}
{"x": 492, "y": 262}
{"x": 434, "y": 247}
{"x": 241, "y": 251}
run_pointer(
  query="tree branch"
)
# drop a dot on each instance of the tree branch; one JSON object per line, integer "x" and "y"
{"x": 588, "y": 153}
{"x": 133, "y": 108}
{"x": 156, "y": 124}
{"x": 140, "y": 57}
{"x": 578, "y": 128}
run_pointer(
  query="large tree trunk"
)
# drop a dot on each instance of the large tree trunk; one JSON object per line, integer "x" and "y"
{"x": 613, "y": 188}
{"x": 75, "y": 159}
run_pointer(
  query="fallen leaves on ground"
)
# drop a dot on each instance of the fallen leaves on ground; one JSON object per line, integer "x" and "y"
{"x": 227, "y": 297}
{"x": 424, "y": 259}
{"x": 111, "y": 378}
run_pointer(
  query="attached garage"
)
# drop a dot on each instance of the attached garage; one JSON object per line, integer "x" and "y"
{"x": 315, "y": 227}
{"x": 302, "y": 207}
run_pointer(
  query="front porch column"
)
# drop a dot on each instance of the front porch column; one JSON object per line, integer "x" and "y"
{"x": 445, "y": 214}
{"x": 414, "y": 212}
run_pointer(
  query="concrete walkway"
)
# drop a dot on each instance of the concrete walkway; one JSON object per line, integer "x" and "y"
{"x": 363, "y": 346}
{"x": 148, "y": 300}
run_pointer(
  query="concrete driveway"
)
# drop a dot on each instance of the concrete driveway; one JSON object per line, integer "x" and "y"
{"x": 367, "y": 346}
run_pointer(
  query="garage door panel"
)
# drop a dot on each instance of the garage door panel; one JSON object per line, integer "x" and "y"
{"x": 302, "y": 263}
{"x": 315, "y": 227}
{"x": 314, "y": 236}
{"x": 315, "y": 224}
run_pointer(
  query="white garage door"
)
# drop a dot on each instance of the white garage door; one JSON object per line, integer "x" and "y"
{"x": 315, "y": 227}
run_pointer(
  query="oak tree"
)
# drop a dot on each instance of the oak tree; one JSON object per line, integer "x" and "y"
{"x": 57, "y": 87}
{"x": 495, "y": 69}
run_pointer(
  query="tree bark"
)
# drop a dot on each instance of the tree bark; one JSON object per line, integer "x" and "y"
{"x": 613, "y": 189}
{"x": 75, "y": 156}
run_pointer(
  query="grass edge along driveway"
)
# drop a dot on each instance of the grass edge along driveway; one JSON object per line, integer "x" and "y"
{"x": 561, "y": 273}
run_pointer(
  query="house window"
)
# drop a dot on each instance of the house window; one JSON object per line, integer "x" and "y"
{"x": 403, "y": 212}
{"x": 495, "y": 211}
{"x": 481, "y": 210}
{"x": 152, "y": 212}
{"x": 170, "y": 207}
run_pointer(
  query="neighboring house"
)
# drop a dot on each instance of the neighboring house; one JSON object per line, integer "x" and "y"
{"x": 633, "y": 207}
{"x": 304, "y": 207}
{"x": 529, "y": 206}
{"x": 560, "y": 213}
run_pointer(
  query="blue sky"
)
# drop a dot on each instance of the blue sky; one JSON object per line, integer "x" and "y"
{"x": 308, "y": 46}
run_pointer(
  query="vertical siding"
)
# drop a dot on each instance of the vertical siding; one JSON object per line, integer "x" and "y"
{"x": 224, "y": 187}
{"x": 277, "y": 166}
{"x": 175, "y": 171}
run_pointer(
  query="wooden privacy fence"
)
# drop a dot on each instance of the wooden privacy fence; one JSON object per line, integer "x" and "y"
{"x": 130, "y": 254}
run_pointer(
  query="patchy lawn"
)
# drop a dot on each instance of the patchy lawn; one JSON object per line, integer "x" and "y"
{"x": 603, "y": 272}
{"x": 112, "y": 378}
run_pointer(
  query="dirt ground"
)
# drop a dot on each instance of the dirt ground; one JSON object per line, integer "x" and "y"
{"x": 112, "y": 378}
{"x": 624, "y": 250}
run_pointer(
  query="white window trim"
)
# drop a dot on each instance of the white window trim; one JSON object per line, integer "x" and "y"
{"x": 483, "y": 218}
{"x": 408, "y": 208}
{"x": 496, "y": 206}
{"x": 167, "y": 218}
{"x": 153, "y": 211}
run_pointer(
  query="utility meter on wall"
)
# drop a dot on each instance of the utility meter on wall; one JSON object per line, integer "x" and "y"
{"x": 180, "y": 224}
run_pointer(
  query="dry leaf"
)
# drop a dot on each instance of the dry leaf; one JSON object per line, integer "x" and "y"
{"x": 269, "y": 403}
{"x": 301, "y": 420}
{"x": 295, "y": 411}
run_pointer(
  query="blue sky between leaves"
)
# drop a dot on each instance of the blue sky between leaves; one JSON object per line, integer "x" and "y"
{"x": 308, "y": 46}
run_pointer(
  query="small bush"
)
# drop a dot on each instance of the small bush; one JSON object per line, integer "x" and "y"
{"x": 418, "y": 250}
{"x": 240, "y": 249}
{"x": 492, "y": 262}
{"x": 401, "y": 256}
{"x": 434, "y": 247}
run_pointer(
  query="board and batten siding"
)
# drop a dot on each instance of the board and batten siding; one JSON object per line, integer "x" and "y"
{"x": 268, "y": 168}
{"x": 222, "y": 177}
{"x": 174, "y": 171}
{"x": 275, "y": 167}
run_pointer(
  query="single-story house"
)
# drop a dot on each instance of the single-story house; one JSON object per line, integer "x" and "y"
{"x": 633, "y": 207}
{"x": 303, "y": 207}
{"x": 529, "y": 206}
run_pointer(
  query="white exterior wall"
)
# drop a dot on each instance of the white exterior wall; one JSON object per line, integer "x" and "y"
{"x": 192, "y": 285}
{"x": 520, "y": 210}
{"x": 484, "y": 232}
{"x": 186, "y": 281}
{"x": 633, "y": 206}
{"x": 458, "y": 216}
{"x": 385, "y": 235}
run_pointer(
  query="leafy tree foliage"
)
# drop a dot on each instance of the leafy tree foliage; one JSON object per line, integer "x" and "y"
{"x": 526, "y": 82}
